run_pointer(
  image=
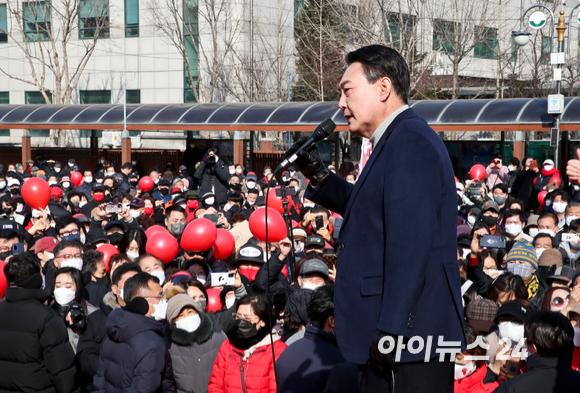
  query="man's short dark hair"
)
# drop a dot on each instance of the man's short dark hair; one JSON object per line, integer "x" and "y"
{"x": 254, "y": 191}
{"x": 543, "y": 234}
{"x": 137, "y": 284}
{"x": 174, "y": 208}
{"x": 321, "y": 305}
{"x": 235, "y": 197}
{"x": 127, "y": 165}
{"x": 90, "y": 260}
{"x": 565, "y": 196}
{"x": 503, "y": 187}
{"x": 379, "y": 61}
{"x": 515, "y": 213}
{"x": 550, "y": 215}
{"x": 124, "y": 268}
{"x": 67, "y": 243}
{"x": 514, "y": 161}
{"x": 551, "y": 333}
{"x": 21, "y": 266}
{"x": 62, "y": 222}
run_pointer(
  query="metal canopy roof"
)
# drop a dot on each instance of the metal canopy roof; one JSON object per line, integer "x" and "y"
{"x": 446, "y": 115}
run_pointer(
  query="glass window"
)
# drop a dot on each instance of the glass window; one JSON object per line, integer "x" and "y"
{"x": 3, "y": 23}
{"x": 131, "y": 18}
{"x": 93, "y": 19}
{"x": 399, "y": 29}
{"x": 514, "y": 50}
{"x": 4, "y": 98}
{"x": 444, "y": 36}
{"x": 36, "y": 98}
{"x": 133, "y": 96}
{"x": 36, "y": 21}
{"x": 95, "y": 96}
{"x": 486, "y": 46}
{"x": 546, "y": 50}
{"x": 191, "y": 37}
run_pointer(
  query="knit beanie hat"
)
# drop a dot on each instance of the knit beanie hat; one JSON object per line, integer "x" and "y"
{"x": 550, "y": 257}
{"x": 523, "y": 251}
{"x": 176, "y": 304}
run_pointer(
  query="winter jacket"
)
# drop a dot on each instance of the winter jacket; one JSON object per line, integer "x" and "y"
{"x": 496, "y": 176}
{"x": 214, "y": 176}
{"x": 250, "y": 371}
{"x": 524, "y": 184}
{"x": 544, "y": 375}
{"x": 109, "y": 303}
{"x": 478, "y": 382}
{"x": 90, "y": 342}
{"x": 134, "y": 358}
{"x": 305, "y": 366}
{"x": 35, "y": 354}
{"x": 543, "y": 178}
{"x": 193, "y": 354}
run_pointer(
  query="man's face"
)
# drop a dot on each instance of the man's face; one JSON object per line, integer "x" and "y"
{"x": 234, "y": 180}
{"x": 175, "y": 218}
{"x": 6, "y": 244}
{"x": 513, "y": 220}
{"x": 150, "y": 264}
{"x": 317, "y": 249}
{"x": 153, "y": 295}
{"x": 109, "y": 183}
{"x": 67, "y": 253}
{"x": 573, "y": 211}
{"x": 88, "y": 174}
{"x": 121, "y": 285}
{"x": 543, "y": 242}
{"x": 115, "y": 229}
{"x": 252, "y": 197}
{"x": 313, "y": 278}
{"x": 491, "y": 213}
{"x": 499, "y": 192}
{"x": 363, "y": 104}
{"x": 547, "y": 223}
{"x": 110, "y": 170}
{"x": 11, "y": 168}
{"x": 126, "y": 171}
{"x": 70, "y": 229}
{"x": 154, "y": 176}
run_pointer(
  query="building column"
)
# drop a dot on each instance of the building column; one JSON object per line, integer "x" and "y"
{"x": 238, "y": 148}
{"x": 126, "y": 156}
{"x": 26, "y": 148}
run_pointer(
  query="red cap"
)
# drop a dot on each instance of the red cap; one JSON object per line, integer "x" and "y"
{"x": 55, "y": 192}
{"x": 45, "y": 244}
{"x": 175, "y": 190}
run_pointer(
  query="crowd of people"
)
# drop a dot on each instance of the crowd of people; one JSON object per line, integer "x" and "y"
{"x": 73, "y": 317}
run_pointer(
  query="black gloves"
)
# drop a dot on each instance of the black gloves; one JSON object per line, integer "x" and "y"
{"x": 309, "y": 162}
{"x": 382, "y": 362}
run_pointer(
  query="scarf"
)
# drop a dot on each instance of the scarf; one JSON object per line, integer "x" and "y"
{"x": 265, "y": 341}
{"x": 533, "y": 286}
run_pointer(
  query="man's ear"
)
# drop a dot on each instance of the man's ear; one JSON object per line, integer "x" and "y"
{"x": 330, "y": 322}
{"x": 300, "y": 282}
{"x": 386, "y": 88}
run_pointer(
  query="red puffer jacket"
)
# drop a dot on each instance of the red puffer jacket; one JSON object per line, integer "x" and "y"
{"x": 231, "y": 374}
{"x": 475, "y": 383}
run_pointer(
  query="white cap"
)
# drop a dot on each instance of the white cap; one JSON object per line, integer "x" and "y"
{"x": 13, "y": 182}
{"x": 459, "y": 186}
{"x": 548, "y": 162}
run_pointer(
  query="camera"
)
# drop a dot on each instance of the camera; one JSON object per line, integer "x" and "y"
{"x": 77, "y": 314}
{"x": 211, "y": 159}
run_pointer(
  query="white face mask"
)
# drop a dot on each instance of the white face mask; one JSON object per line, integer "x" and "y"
{"x": 251, "y": 203}
{"x": 19, "y": 208}
{"x": 230, "y": 302}
{"x": 133, "y": 256}
{"x": 511, "y": 168}
{"x": 121, "y": 293}
{"x": 83, "y": 238}
{"x": 89, "y": 179}
{"x": 513, "y": 229}
{"x": 160, "y": 312}
{"x": 466, "y": 252}
{"x": 524, "y": 270}
{"x": 50, "y": 183}
{"x": 209, "y": 201}
{"x": 66, "y": 184}
{"x": 308, "y": 285}
{"x": 70, "y": 164}
{"x": 81, "y": 204}
{"x": 570, "y": 219}
{"x": 133, "y": 162}
{"x": 3, "y": 184}
{"x": 577, "y": 336}
{"x": 77, "y": 263}
{"x": 513, "y": 331}
{"x": 539, "y": 252}
{"x": 350, "y": 181}
{"x": 232, "y": 171}
{"x": 57, "y": 170}
{"x": 53, "y": 224}
{"x": 99, "y": 181}
{"x": 160, "y": 274}
{"x": 548, "y": 167}
{"x": 308, "y": 205}
{"x": 471, "y": 219}
{"x": 533, "y": 232}
{"x": 239, "y": 171}
{"x": 134, "y": 213}
{"x": 559, "y": 207}
{"x": 251, "y": 185}
{"x": 227, "y": 207}
{"x": 125, "y": 205}
{"x": 464, "y": 370}
{"x": 549, "y": 232}
{"x": 202, "y": 279}
{"x": 156, "y": 181}
{"x": 50, "y": 255}
{"x": 64, "y": 296}
{"x": 189, "y": 324}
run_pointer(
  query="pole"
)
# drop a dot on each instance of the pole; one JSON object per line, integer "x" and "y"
{"x": 561, "y": 28}
{"x": 126, "y": 140}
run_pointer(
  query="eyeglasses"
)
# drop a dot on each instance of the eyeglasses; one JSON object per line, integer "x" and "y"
{"x": 67, "y": 233}
{"x": 66, "y": 257}
{"x": 238, "y": 316}
{"x": 5, "y": 248}
{"x": 560, "y": 302}
{"x": 159, "y": 297}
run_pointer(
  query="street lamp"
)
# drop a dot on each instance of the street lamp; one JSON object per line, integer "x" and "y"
{"x": 521, "y": 37}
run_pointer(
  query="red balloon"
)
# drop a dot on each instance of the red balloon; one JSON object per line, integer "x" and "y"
{"x": 276, "y": 225}
{"x": 3, "y": 282}
{"x": 199, "y": 235}
{"x": 477, "y": 172}
{"x": 162, "y": 246}
{"x": 556, "y": 179}
{"x": 152, "y": 230}
{"x": 108, "y": 251}
{"x": 214, "y": 303}
{"x": 146, "y": 183}
{"x": 225, "y": 244}
{"x": 36, "y": 193}
{"x": 542, "y": 196}
{"x": 76, "y": 178}
{"x": 275, "y": 202}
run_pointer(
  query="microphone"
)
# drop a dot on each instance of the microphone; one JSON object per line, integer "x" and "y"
{"x": 321, "y": 132}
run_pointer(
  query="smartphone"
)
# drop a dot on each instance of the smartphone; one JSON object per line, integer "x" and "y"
{"x": 222, "y": 279}
{"x": 514, "y": 368}
{"x": 17, "y": 248}
{"x": 319, "y": 222}
{"x": 497, "y": 161}
{"x": 491, "y": 241}
{"x": 330, "y": 259}
{"x": 113, "y": 208}
{"x": 570, "y": 237}
{"x": 290, "y": 191}
{"x": 534, "y": 164}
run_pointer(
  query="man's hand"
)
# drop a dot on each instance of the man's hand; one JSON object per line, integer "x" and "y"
{"x": 309, "y": 162}
{"x": 285, "y": 246}
{"x": 325, "y": 234}
{"x": 101, "y": 211}
{"x": 475, "y": 249}
{"x": 381, "y": 361}
{"x": 573, "y": 169}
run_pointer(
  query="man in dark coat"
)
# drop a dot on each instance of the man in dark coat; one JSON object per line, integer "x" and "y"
{"x": 35, "y": 354}
{"x": 214, "y": 175}
{"x": 402, "y": 216}
{"x": 134, "y": 357}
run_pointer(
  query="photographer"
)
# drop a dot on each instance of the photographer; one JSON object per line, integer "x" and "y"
{"x": 214, "y": 175}
{"x": 85, "y": 323}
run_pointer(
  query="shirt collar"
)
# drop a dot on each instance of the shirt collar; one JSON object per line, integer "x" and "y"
{"x": 376, "y": 137}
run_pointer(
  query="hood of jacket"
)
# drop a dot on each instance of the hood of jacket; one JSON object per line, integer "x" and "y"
{"x": 14, "y": 295}
{"x": 203, "y": 333}
{"x": 110, "y": 300}
{"x": 123, "y": 325}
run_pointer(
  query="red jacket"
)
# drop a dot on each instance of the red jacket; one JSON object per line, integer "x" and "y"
{"x": 257, "y": 372}
{"x": 474, "y": 383}
{"x": 576, "y": 359}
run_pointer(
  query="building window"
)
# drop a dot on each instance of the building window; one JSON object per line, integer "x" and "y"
{"x": 546, "y": 50}
{"x": 95, "y": 96}
{"x": 486, "y": 46}
{"x": 36, "y": 21}
{"x": 131, "y": 18}
{"x": 399, "y": 30}
{"x": 444, "y": 36}
{"x": 3, "y": 24}
{"x": 191, "y": 37}
{"x": 93, "y": 19}
{"x": 514, "y": 51}
{"x": 133, "y": 96}
{"x": 36, "y": 98}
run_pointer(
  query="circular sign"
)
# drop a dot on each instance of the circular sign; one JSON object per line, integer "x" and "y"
{"x": 537, "y": 20}
{"x": 578, "y": 18}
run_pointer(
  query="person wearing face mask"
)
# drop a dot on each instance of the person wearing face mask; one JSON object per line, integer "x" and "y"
{"x": 496, "y": 172}
{"x": 571, "y": 249}
{"x": 34, "y": 341}
{"x": 184, "y": 174}
{"x": 234, "y": 184}
{"x": 120, "y": 274}
{"x": 514, "y": 221}
{"x": 3, "y": 185}
{"x": 133, "y": 244}
{"x": 251, "y": 184}
{"x": 175, "y": 221}
{"x": 13, "y": 187}
{"x": 543, "y": 177}
{"x": 194, "y": 342}
{"x": 135, "y": 347}
{"x": 86, "y": 337}
{"x": 522, "y": 261}
{"x": 163, "y": 191}
{"x": 208, "y": 200}
{"x": 490, "y": 215}
{"x": 115, "y": 231}
{"x": 95, "y": 275}
{"x": 246, "y": 358}
{"x": 548, "y": 223}
{"x": 550, "y": 342}
{"x": 313, "y": 274}
{"x": 531, "y": 227}
{"x": 500, "y": 196}
{"x": 317, "y": 353}
{"x": 472, "y": 216}
{"x": 44, "y": 249}
{"x": 133, "y": 181}
{"x": 214, "y": 176}
{"x": 560, "y": 200}
{"x": 66, "y": 184}
{"x": 513, "y": 171}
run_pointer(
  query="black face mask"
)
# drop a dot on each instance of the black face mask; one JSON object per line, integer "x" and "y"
{"x": 313, "y": 254}
{"x": 5, "y": 255}
{"x": 134, "y": 183}
{"x": 115, "y": 238}
{"x": 15, "y": 191}
{"x": 164, "y": 191}
{"x": 106, "y": 199}
{"x": 246, "y": 329}
{"x": 104, "y": 281}
{"x": 7, "y": 211}
{"x": 235, "y": 186}
{"x": 183, "y": 173}
{"x": 490, "y": 221}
